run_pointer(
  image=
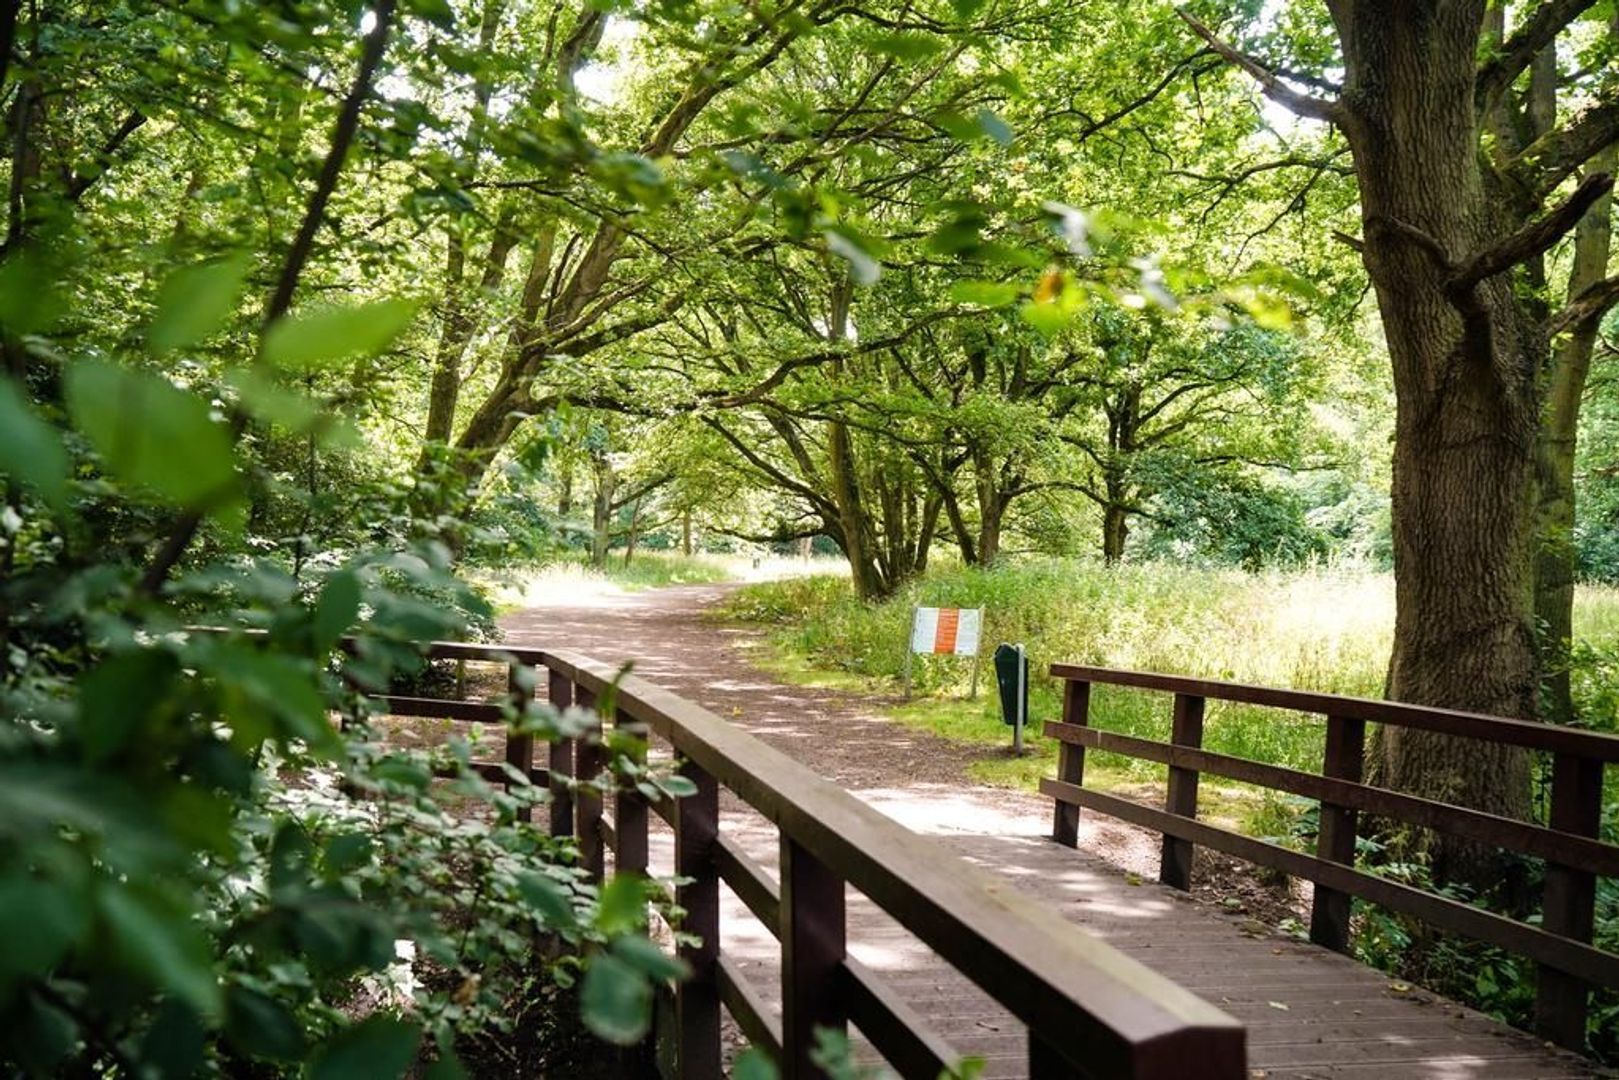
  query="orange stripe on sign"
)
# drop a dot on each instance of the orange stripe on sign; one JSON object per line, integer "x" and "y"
{"x": 944, "y": 639}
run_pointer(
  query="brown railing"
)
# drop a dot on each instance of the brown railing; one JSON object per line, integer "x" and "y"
{"x": 1568, "y": 964}
{"x": 1089, "y": 1010}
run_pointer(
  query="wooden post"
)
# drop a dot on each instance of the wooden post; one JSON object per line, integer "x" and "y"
{"x": 910, "y": 632}
{"x": 1569, "y": 906}
{"x": 519, "y": 747}
{"x": 1175, "y": 869}
{"x": 1076, "y": 710}
{"x": 630, "y": 810}
{"x": 590, "y": 761}
{"x": 697, "y": 999}
{"x": 812, "y": 949}
{"x": 1345, "y": 756}
{"x": 559, "y": 690}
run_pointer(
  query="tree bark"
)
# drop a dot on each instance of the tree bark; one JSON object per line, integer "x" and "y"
{"x": 1571, "y": 364}
{"x": 1467, "y": 407}
{"x": 601, "y": 533}
{"x": 1115, "y": 528}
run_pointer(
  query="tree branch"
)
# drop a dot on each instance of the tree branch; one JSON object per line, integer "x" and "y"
{"x": 1534, "y": 238}
{"x": 348, "y": 121}
{"x": 1588, "y": 307}
{"x": 1520, "y": 50}
{"x": 1558, "y": 154}
{"x": 1270, "y": 82}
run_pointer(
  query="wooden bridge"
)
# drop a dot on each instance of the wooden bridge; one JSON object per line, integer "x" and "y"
{"x": 815, "y": 910}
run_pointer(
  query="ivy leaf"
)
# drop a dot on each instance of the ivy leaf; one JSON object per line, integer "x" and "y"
{"x": 194, "y": 302}
{"x": 152, "y": 434}
{"x": 325, "y": 336}
{"x": 616, "y": 1001}
{"x": 377, "y": 1048}
{"x": 30, "y": 450}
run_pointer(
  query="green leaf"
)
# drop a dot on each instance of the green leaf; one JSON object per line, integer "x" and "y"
{"x": 993, "y": 126}
{"x": 175, "y": 1043}
{"x": 194, "y": 302}
{"x": 548, "y": 899}
{"x": 119, "y": 696}
{"x": 646, "y": 956}
{"x": 986, "y": 293}
{"x": 853, "y": 247}
{"x": 30, "y": 450}
{"x": 325, "y": 336}
{"x": 30, "y": 296}
{"x": 261, "y": 1027}
{"x": 160, "y": 940}
{"x": 152, "y": 434}
{"x": 336, "y": 610}
{"x": 39, "y": 921}
{"x": 753, "y": 1064}
{"x": 622, "y": 905}
{"x": 906, "y": 45}
{"x": 378, "y": 1048}
{"x": 273, "y": 404}
{"x": 616, "y": 1001}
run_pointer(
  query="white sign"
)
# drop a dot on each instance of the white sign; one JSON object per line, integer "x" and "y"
{"x": 946, "y": 631}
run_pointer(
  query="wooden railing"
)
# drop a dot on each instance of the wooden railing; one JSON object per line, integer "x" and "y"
{"x": 1574, "y": 856}
{"x": 1090, "y": 1010}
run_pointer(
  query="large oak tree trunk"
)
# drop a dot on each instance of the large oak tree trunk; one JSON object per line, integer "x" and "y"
{"x": 1465, "y": 367}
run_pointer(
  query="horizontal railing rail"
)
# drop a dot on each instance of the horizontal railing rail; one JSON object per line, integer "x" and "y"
{"x": 1089, "y": 1009}
{"x": 1575, "y": 856}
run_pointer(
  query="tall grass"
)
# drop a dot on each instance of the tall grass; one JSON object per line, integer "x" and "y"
{"x": 1323, "y": 630}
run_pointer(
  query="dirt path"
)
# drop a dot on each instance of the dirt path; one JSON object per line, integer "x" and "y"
{"x": 917, "y": 778}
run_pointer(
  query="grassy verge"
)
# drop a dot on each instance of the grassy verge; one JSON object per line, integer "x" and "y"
{"x": 1318, "y": 630}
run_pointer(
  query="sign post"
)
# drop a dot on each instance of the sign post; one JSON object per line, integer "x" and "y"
{"x": 944, "y": 632}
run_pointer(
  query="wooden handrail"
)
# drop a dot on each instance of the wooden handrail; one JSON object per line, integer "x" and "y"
{"x": 1534, "y": 736}
{"x": 1090, "y": 1010}
{"x": 1575, "y": 855}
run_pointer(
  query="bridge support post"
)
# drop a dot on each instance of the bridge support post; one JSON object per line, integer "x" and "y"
{"x": 1345, "y": 757}
{"x": 697, "y": 1000}
{"x": 1561, "y": 999}
{"x": 1175, "y": 869}
{"x": 590, "y": 761}
{"x": 1076, "y": 707}
{"x": 812, "y": 951}
{"x": 520, "y": 747}
{"x": 630, "y": 810}
{"x": 559, "y": 691}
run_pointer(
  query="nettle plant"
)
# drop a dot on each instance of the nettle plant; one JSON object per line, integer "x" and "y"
{"x": 212, "y": 861}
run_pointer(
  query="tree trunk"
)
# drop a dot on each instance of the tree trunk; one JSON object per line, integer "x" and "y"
{"x": 1554, "y": 556}
{"x": 601, "y": 533}
{"x": 1115, "y": 528}
{"x": 685, "y": 533}
{"x": 1466, "y": 409}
